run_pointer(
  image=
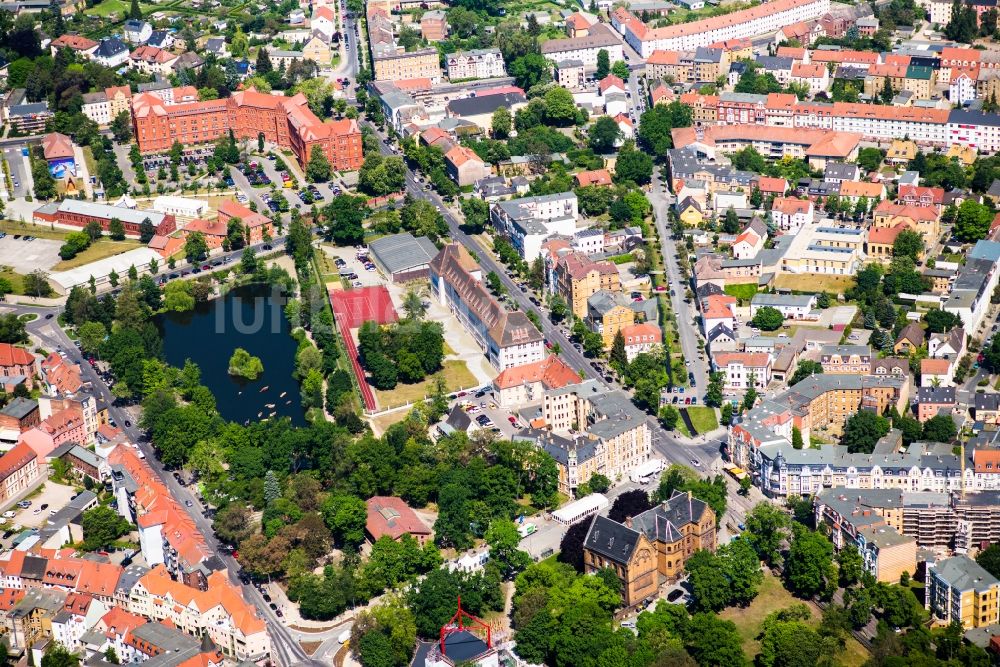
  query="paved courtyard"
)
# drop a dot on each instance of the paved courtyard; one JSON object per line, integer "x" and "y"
{"x": 26, "y": 256}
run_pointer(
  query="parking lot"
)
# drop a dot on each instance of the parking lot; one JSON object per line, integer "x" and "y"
{"x": 27, "y": 256}
{"x": 353, "y": 268}
{"x": 484, "y": 412}
{"x": 47, "y": 501}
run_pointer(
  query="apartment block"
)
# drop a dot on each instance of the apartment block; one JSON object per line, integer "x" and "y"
{"x": 476, "y": 64}
{"x": 527, "y": 222}
{"x": 508, "y": 338}
{"x": 589, "y": 430}
{"x": 393, "y": 65}
{"x": 960, "y": 590}
{"x": 576, "y": 278}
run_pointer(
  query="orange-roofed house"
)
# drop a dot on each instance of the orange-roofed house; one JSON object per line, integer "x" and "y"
{"x": 60, "y": 154}
{"x": 19, "y": 469}
{"x": 626, "y": 127}
{"x": 62, "y": 376}
{"x": 923, "y": 219}
{"x": 594, "y": 177}
{"x": 214, "y": 231}
{"x": 917, "y": 195}
{"x": 522, "y": 385}
{"x": 937, "y": 372}
{"x": 66, "y": 425}
{"x": 77, "y": 43}
{"x": 718, "y": 309}
{"x": 880, "y": 242}
{"x": 802, "y": 32}
{"x": 741, "y": 367}
{"x": 770, "y": 185}
{"x": 577, "y": 25}
{"x": 790, "y": 214}
{"x": 815, "y": 76}
{"x": 661, "y": 93}
{"x": 611, "y": 84}
{"x": 152, "y": 60}
{"x": 218, "y": 610}
{"x": 390, "y": 517}
{"x": 641, "y": 338}
{"x": 747, "y": 244}
{"x": 17, "y": 362}
{"x": 855, "y": 190}
{"x": 796, "y": 53}
{"x": 464, "y": 166}
{"x": 259, "y": 225}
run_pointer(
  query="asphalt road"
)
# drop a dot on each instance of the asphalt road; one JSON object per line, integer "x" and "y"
{"x": 17, "y": 173}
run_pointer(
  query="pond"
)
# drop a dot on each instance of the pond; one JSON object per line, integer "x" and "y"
{"x": 251, "y": 317}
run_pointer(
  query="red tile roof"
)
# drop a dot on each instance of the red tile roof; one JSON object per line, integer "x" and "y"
{"x": 391, "y": 516}
{"x": 15, "y": 356}
{"x": 552, "y": 372}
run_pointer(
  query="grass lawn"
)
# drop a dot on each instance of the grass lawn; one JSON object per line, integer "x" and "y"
{"x": 108, "y": 7}
{"x": 814, "y": 283}
{"x": 743, "y": 292}
{"x": 702, "y": 417}
{"x": 771, "y": 598}
{"x": 15, "y": 227}
{"x": 456, "y": 376}
{"x": 88, "y": 158}
{"x": 101, "y": 250}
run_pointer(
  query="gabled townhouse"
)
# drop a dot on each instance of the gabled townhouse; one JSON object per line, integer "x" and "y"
{"x": 742, "y": 367}
{"x": 790, "y": 215}
{"x": 846, "y": 359}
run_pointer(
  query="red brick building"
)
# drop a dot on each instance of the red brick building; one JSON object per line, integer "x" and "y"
{"x": 286, "y": 121}
{"x": 80, "y": 213}
{"x": 17, "y": 361}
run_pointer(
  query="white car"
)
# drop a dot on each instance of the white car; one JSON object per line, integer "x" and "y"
{"x": 9, "y": 514}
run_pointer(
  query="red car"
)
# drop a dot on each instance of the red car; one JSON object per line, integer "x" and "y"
{"x": 687, "y": 401}
{"x": 512, "y": 419}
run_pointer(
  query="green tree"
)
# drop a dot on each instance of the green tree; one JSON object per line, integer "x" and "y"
{"x": 501, "y": 123}
{"x": 973, "y": 221}
{"x": 146, "y": 231}
{"x": 862, "y": 430}
{"x": 346, "y": 517}
{"x": 195, "y": 247}
{"x": 809, "y": 569}
{"x": 177, "y": 296}
{"x": 503, "y": 539}
{"x": 57, "y": 655}
{"x": 768, "y": 318}
{"x": 989, "y": 559}
{"x": 603, "y": 135}
{"x": 805, "y": 369}
{"x": 709, "y": 585}
{"x": 940, "y": 428}
{"x": 91, "y": 335}
{"x": 731, "y": 223}
{"x": 134, "y": 12}
{"x": 318, "y": 169}
{"x": 116, "y": 230}
{"x": 633, "y": 165}
{"x": 908, "y": 243}
{"x": 621, "y": 70}
{"x": 850, "y": 567}
{"x": 243, "y": 364}
{"x": 102, "y": 526}
{"x": 560, "y": 109}
{"x": 797, "y": 442}
{"x": 603, "y": 64}
{"x": 121, "y": 127}
{"x": 766, "y": 530}
{"x": 617, "y": 358}
{"x": 239, "y": 45}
